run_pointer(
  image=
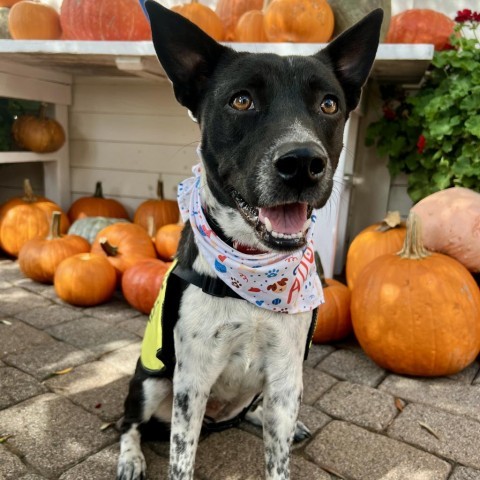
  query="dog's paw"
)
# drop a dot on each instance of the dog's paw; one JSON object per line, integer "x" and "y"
{"x": 301, "y": 432}
{"x": 131, "y": 466}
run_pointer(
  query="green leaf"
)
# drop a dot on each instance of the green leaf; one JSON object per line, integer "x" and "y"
{"x": 472, "y": 125}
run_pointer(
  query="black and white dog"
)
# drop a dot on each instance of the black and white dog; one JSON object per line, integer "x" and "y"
{"x": 271, "y": 137}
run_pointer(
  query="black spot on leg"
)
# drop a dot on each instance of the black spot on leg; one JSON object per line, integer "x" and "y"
{"x": 182, "y": 403}
{"x": 180, "y": 444}
{"x": 179, "y": 365}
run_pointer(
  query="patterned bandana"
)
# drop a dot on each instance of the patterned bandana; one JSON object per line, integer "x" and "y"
{"x": 286, "y": 283}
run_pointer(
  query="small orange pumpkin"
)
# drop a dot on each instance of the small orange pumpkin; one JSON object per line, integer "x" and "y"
{"x": 250, "y": 27}
{"x": 230, "y": 11}
{"x": 85, "y": 279}
{"x": 124, "y": 244}
{"x": 416, "y": 312}
{"x": 33, "y": 20}
{"x": 141, "y": 283}
{"x": 419, "y": 25}
{"x": 372, "y": 242}
{"x": 299, "y": 21}
{"x": 167, "y": 240}
{"x": 39, "y": 257}
{"x": 204, "y": 17}
{"x": 27, "y": 217}
{"x": 159, "y": 211}
{"x": 96, "y": 206}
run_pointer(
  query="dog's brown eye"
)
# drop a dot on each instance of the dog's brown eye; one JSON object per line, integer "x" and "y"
{"x": 329, "y": 105}
{"x": 242, "y": 101}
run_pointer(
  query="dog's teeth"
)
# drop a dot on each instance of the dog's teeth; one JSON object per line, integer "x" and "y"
{"x": 306, "y": 225}
{"x": 268, "y": 224}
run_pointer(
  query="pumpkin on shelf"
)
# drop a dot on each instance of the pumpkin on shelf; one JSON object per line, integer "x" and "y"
{"x": 8, "y": 3}
{"x": 104, "y": 20}
{"x": 299, "y": 21}
{"x": 88, "y": 227}
{"x": 451, "y": 224}
{"x": 34, "y": 20}
{"x": 27, "y": 217}
{"x": 39, "y": 257}
{"x": 85, "y": 279}
{"x": 372, "y": 242}
{"x": 38, "y": 134}
{"x": 230, "y": 11}
{"x": 333, "y": 316}
{"x": 202, "y": 16}
{"x": 419, "y": 25}
{"x": 124, "y": 244}
{"x": 417, "y": 312}
{"x": 250, "y": 27}
{"x": 167, "y": 239}
{"x": 141, "y": 283}
{"x": 96, "y": 206}
{"x": 158, "y": 210}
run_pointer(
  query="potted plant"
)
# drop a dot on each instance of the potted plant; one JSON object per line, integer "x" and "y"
{"x": 433, "y": 134}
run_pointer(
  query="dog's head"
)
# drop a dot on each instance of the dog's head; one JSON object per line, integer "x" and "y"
{"x": 272, "y": 126}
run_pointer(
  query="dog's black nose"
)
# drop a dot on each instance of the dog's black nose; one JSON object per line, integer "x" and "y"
{"x": 303, "y": 164}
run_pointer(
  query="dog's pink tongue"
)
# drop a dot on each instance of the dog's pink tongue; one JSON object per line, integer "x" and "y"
{"x": 286, "y": 218}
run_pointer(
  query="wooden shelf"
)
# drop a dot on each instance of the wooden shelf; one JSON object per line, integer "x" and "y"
{"x": 403, "y": 63}
{"x": 26, "y": 157}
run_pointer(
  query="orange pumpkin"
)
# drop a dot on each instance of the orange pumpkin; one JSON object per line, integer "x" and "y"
{"x": 421, "y": 26}
{"x": 141, "y": 283}
{"x": 230, "y": 11}
{"x": 250, "y": 27}
{"x": 124, "y": 244}
{"x": 39, "y": 257}
{"x": 416, "y": 312}
{"x": 8, "y": 3}
{"x": 27, "y": 217}
{"x": 159, "y": 211}
{"x": 204, "y": 17}
{"x": 96, "y": 206}
{"x": 372, "y": 242}
{"x": 167, "y": 240}
{"x": 299, "y": 21}
{"x": 33, "y": 20}
{"x": 85, "y": 279}
{"x": 38, "y": 133}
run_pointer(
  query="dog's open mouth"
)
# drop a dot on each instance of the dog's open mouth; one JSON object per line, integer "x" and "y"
{"x": 281, "y": 227}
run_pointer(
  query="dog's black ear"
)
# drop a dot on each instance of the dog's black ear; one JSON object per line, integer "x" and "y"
{"x": 187, "y": 54}
{"x": 352, "y": 53}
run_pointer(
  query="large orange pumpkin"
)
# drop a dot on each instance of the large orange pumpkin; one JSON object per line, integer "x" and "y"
{"x": 167, "y": 239}
{"x": 230, "y": 12}
{"x": 96, "y": 206}
{"x": 39, "y": 257}
{"x": 124, "y": 244}
{"x": 104, "y": 20}
{"x": 158, "y": 210}
{"x": 250, "y": 27}
{"x": 417, "y": 313}
{"x": 299, "y": 21}
{"x": 420, "y": 26}
{"x": 85, "y": 279}
{"x": 141, "y": 283}
{"x": 27, "y": 217}
{"x": 8, "y": 3}
{"x": 33, "y": 20}
{"x": 372, "y": 242}
{"x": 204, "y": 17}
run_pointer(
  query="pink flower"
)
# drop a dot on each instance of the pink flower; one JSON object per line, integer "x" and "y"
{"x": 421, "y": 142}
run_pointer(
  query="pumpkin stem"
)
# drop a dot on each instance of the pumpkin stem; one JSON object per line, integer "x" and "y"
{"x": 98, "y": 190}
{"x": 320, "y": 272}
{"x": 265, "y": 5}
{"x": 413, "y": 246}
{"x": 55, "y": 226}
{"x": 160, "y": 189}
{"x": 28, "y": 192}
{"x": 392, "y": 220}
{"x": 108, "y": 248}
{"x": 151, "y": 230}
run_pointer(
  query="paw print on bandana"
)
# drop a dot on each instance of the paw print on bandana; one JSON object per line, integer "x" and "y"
{"x": 235, "y": 282}
{"x": 283, "y": 310}
{"x": 279, "y": 286}
{"x": 272, "y": 273}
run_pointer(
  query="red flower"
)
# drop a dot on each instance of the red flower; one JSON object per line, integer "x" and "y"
{"x": 421, "y": 142}
{"x": 464, "y": 16}
{"x": 476, "y": 17}
{"x": 389, "y": 113}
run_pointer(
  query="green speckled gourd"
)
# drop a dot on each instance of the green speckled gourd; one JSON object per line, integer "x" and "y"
{"x": 4, "y": 32}
{"x": 88, "y": 227}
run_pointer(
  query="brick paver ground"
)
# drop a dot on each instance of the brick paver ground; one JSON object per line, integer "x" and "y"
{"x": 367, "y": 424}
